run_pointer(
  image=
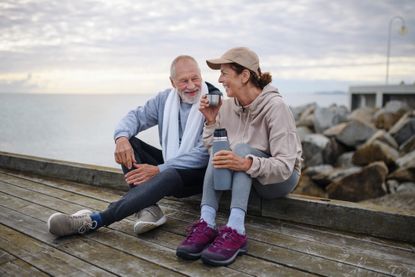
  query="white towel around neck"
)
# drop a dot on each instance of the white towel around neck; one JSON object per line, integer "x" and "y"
{"x": 170, "y": 129}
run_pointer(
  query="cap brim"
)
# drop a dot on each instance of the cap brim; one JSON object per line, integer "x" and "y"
{"x": 216, "y": 63}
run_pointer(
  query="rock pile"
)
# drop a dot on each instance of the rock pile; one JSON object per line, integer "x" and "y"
{"x": 359, "y": 155}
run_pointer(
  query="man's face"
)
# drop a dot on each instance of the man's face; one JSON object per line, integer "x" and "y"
{"x": 187, "y": 80}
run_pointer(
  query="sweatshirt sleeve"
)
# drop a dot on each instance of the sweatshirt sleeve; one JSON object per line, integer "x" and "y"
{"x": 284, "y": 144}
{"x": 139, "y": 119}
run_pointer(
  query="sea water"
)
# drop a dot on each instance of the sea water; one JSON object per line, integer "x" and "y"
{"x": 79, "y": 128}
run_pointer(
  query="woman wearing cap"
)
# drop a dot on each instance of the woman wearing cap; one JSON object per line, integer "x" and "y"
{"x": 266, "y": 154}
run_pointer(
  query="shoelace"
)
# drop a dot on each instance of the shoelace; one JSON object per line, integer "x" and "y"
{"x": 193, "y": 230}
{"x": 85, "y": 223}
{"x": 224, "y": 234}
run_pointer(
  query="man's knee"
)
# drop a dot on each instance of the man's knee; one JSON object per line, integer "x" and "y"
{"x": 243, "y": 149}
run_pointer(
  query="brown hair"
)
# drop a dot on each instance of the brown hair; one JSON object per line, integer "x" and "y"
{"x": 259, "y": 81}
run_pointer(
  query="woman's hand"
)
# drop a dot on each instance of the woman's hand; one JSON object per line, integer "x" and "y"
{"x": 227, "y": 159}
{"x": 210, "y": 112}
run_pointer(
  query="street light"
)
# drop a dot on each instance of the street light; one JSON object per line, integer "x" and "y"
{"x": 402, "y": 31}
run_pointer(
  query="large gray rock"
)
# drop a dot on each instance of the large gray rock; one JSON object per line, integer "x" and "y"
{"x": 325, "y": 118}
{"x": 307, "y": 117}
{"x": 365, "y": 184}
{"x": 363, "y": 114}
{"x": 406, "y": 187}
{"x": 318, "y": 149}
{"x": 313, "y": 147}
{"x": 406, "y": 161}
{"x": 408, "y": 146}
{"x": 406, "y": 174}
{"x": 302, "y": 131}
{"x": 299, "y": 110}
{"x": 392, "y": 185}
{"x": 386, "y": 117}
{"x": 385, "y": 137}
{"x": 307, "y": 187}
{"x": 375, "y": 151}
{"x": 351, "y": 133}
{"x": 345, "y": 160}
{"x": 339, "y": 173}
{"x": 404, "y": 129}
{"x": 320, "y": 174}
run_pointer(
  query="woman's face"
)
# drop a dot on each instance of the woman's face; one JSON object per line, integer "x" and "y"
{"x": 230, "y": 80}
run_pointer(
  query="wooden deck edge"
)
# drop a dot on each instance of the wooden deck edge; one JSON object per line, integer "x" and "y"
{"x": 70, "y": 171}
{"x": 334, "y": 214}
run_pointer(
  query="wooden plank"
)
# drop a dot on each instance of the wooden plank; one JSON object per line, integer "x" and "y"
{"x": 296, "y": 230}
{"x": 44, "y": 257}
{"x": 289, "y": 228}
{"x": 277, "y": 251}
{"x": 246, "y": 263}
{"x": 295, "y": 208}
{"x": 313, "y": 233}
{"x": 82, "y": 189}
{"x": 12, "y": 266}
{"x": 289, "y": 255}
{"x": 345, "y": 216}
{"x": 102, "y": 256}
{"x": 83, "y": 173}
{"x": 261, "y": 266}
{"x": 282, "y": 239}
{"x": 132, "y": 245}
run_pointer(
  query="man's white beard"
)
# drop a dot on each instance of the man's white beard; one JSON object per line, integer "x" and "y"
{"x": 190, "y": 99}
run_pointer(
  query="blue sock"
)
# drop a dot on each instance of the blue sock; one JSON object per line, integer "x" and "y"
{"x": 96, "y": 216}
{"x": 208, "y": 214}
{"x": 236, "y": 220}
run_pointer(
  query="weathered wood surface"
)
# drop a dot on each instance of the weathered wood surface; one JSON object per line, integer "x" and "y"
{"x": 340, "y": 215}
{"x": 276, "y": 248}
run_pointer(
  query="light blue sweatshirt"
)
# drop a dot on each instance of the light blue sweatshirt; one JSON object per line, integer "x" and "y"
{"x": 151, "y": 114}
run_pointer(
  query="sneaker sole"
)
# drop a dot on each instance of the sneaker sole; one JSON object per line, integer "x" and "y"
{"x": 208, "y": 261}
{"x": 188, "y": 256}
{"x": 141, "y": 227}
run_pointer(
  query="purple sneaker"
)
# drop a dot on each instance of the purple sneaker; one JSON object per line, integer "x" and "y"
{"x": 199, "y": 235}
{"x": 226, "y": 247}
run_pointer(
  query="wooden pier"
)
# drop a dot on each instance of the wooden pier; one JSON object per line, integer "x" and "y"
{"x": 276, "y": 247}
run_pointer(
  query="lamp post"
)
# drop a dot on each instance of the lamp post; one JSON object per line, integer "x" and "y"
{"x": 403, "y": 29}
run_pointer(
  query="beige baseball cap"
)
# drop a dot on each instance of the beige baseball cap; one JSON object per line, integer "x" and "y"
{"x": 240, "y": 55}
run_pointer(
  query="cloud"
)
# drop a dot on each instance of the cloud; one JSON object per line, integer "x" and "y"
{"x": 55, "y": 38}
{"x": 17, "y": 85}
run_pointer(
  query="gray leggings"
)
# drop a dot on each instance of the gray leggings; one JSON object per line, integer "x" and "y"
{"x": 242, "y": 182}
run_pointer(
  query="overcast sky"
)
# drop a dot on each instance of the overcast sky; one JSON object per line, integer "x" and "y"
{"x": 126, "y": 46}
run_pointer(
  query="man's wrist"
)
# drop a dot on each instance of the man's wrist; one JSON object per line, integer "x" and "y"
{"x": 120, "y": 139}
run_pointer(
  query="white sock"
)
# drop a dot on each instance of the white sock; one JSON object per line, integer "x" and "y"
{"x": 208, "y": 214}
{"x": 236, "y": 220}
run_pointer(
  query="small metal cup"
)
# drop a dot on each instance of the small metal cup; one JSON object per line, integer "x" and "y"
{"x": 214, "y": 99}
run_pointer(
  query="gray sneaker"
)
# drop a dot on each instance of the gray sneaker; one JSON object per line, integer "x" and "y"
{"x": 80, "y": 222}
{"x": 148, "y": 219}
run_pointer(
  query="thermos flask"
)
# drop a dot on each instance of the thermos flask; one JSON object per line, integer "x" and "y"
{"x": 222, "y": 177}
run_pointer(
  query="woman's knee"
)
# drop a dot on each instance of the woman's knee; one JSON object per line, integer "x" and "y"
{"x": 243, "y": 149}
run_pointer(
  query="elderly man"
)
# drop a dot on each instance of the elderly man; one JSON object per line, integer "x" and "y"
{"x": 176, "y": 170}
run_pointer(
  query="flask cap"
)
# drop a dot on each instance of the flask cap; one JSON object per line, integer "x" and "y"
{"x": 220, "y": 132}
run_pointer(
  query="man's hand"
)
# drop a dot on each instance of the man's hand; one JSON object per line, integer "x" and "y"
{"x": 227, "y": 159}
{"x": 142, "y": 173}
{"x": 124, "y": 153}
